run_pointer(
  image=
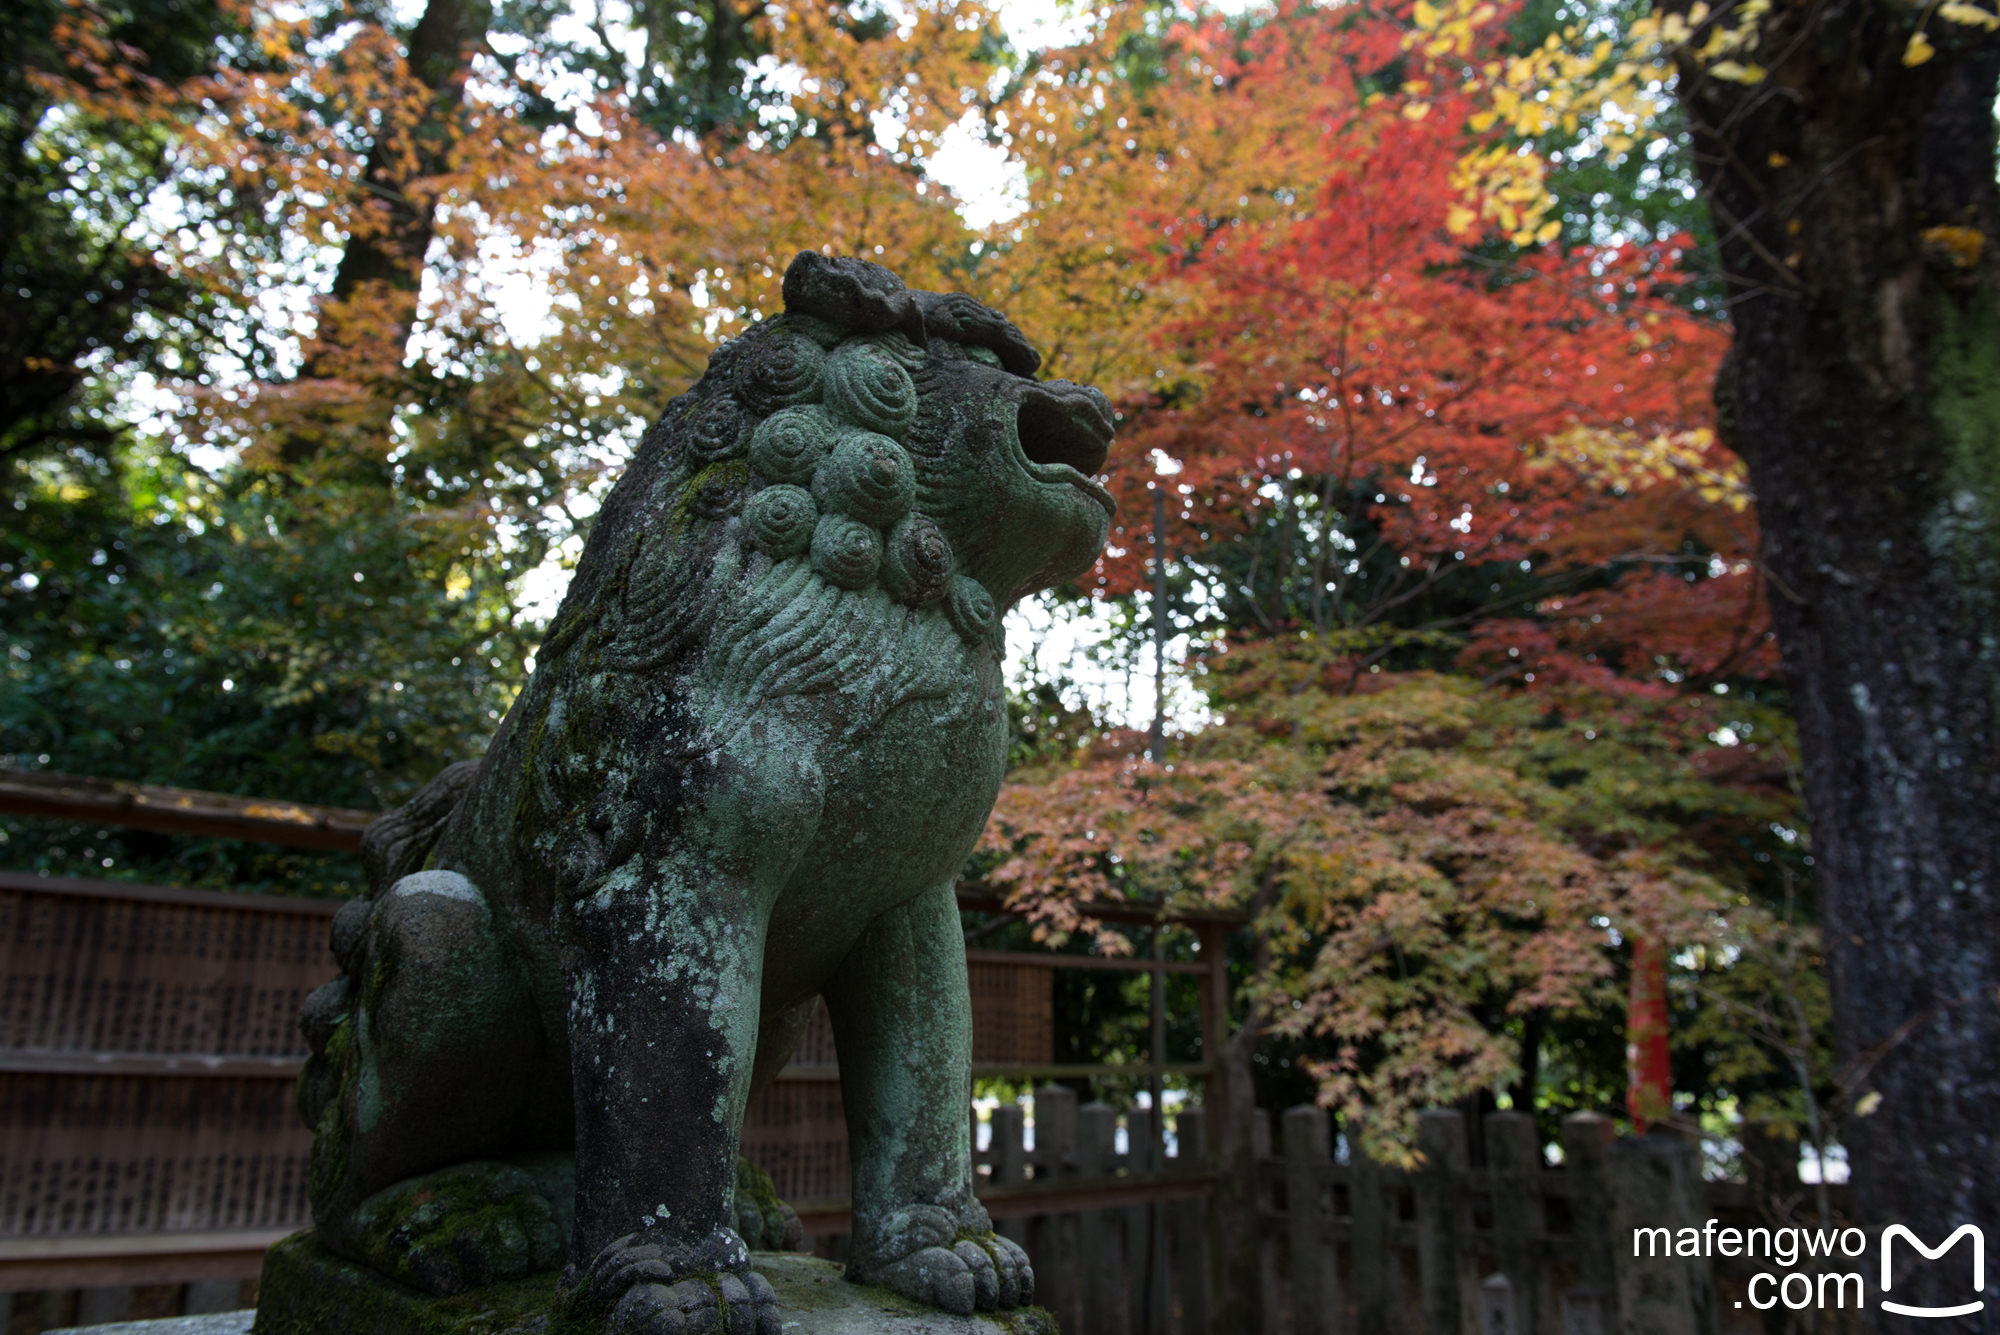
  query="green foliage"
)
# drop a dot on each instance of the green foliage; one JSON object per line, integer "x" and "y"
{"x": 1753, "y": 1007}
{"x": 326, "y": 643}
{"x": 82, "y": 304}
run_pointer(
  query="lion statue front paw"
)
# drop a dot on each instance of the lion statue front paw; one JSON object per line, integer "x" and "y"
{"x": 640, "y": 1287}
{"x": 948, "y": 1258}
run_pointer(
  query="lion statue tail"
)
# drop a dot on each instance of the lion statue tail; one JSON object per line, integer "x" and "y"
{"x": 396, "y": 844}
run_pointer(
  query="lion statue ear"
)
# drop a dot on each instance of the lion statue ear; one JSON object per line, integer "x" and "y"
{"x": 964, "y": 319}
{"x": 852, "y": 295}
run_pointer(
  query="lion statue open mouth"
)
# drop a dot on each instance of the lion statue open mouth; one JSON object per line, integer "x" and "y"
{"x": 761, "y": 738}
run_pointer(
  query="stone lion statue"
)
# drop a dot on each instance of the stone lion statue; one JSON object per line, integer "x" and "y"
{"x": 760, "y": 740}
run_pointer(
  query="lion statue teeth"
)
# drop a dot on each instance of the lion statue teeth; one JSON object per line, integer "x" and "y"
{"x": 761, "y": 738}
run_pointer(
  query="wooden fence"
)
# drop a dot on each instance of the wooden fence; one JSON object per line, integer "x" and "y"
{"x": 148, "y": 1047}
{"x": 1127, "y": 1241}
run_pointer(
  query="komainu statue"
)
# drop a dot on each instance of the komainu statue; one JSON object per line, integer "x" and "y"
{"x": 760, "y": 740}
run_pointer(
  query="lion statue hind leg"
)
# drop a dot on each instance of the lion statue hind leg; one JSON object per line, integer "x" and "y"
{"x": 424, "y": 1056}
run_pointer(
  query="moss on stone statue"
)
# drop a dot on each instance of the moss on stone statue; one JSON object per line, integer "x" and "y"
{"x": 306, "y": 1290}
{"x": 332, "y": 1137}
{"x": 762, "y": 1216}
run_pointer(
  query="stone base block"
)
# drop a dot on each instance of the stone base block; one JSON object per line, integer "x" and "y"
{"x": 306, "y": 1290}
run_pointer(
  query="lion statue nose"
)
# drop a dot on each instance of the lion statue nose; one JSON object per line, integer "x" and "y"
{"x": 1062, "y": 423}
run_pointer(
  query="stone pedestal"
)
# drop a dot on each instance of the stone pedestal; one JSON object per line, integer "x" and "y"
{"x": 306, "y": 1290}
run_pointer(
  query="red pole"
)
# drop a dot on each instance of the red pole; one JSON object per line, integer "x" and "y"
{"x": 1649, "y": 1096}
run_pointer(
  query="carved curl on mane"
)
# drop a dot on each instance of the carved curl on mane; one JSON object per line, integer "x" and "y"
{"x": 771, "y": 516}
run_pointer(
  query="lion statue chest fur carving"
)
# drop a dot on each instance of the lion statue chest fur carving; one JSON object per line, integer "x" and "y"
{"x": 761, "y": 738}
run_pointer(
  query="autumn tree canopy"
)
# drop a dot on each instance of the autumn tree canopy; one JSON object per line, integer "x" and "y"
{"x": 1472, "y": 579}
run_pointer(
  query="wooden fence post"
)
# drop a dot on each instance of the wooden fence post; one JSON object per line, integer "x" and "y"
{"x": 1656, "y": 1184}
{"x": 1191, "y": 1220}
{"x": 1009, "y": 1153}
{"x": 1514, "y": 1156}
{"x": 1261, "y": 1153}
{"x": 1441, "y": 1137}
{"x": 1308, "y": 1211}
{"x": 1145, "y": 1237}
{"x": 1101, "y": 1277}
{"x": 1770, "y": 1168}
{"x": 1378, "y": 1290}
{"x": 1055, "y": 1130}
{"x": 1593, "y": 1308}
{"x": 1054, "y": 1236}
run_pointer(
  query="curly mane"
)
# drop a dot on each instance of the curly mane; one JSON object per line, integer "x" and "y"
{"x": 768, "y": 534}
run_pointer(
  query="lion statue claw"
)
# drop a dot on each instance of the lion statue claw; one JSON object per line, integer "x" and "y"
{"x": 761, "y": 737}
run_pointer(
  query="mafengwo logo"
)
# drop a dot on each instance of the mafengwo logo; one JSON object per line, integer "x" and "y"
{"x": 1799, "y": 1289}
{"x": 1894, "y": 1231}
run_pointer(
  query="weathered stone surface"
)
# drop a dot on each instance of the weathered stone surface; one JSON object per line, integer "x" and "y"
{"x": 762, "y": 736}
{"x": 814, "y": 1295}
{"x": 209, "y": 1323}
{"x": 313, "y": 1292}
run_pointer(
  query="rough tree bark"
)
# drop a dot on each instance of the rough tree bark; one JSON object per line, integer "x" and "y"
{"x": 440, "y": 56}
{"x": 1854, "y": 197}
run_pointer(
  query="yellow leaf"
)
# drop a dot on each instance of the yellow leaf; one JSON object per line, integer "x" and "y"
{"x": 1416, "y": 111}
{"x": 1548, "y": 232}
{"x": 1427, "y": 16}
{"x": 1459, "y": 221}
{"x": 1919, "y": 50}
{"x": 1779, "y": 160}
{"x": 1958, "y": 246}
{"x": 1483, "y": 121}
{"x": 1737, "y": 73}
{"x": 1970, "y": 15}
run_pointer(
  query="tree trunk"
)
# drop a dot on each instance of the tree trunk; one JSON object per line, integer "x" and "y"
{"x": 1854, "y": 197}
{"x": 384, "y": 266}
{"x": 366, "y": 321}
{"x": 440, "y": 53}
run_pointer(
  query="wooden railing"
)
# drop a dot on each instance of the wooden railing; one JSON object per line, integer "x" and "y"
{"x": 145, "y": 806}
